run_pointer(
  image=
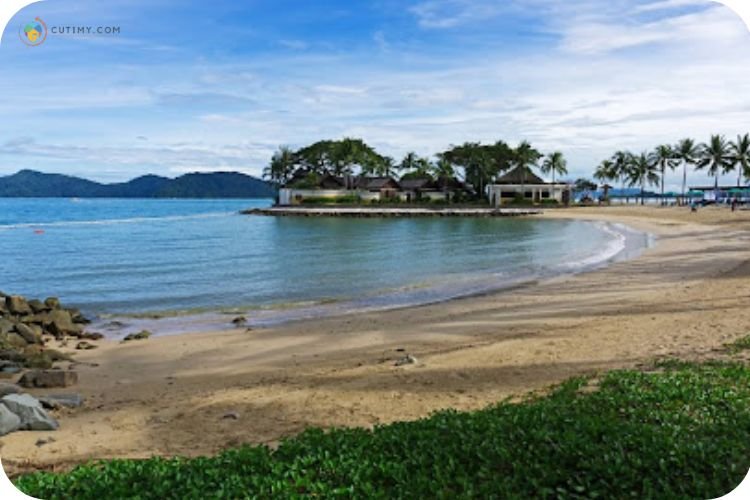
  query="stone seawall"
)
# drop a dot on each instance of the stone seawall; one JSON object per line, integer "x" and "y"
{"x": 392, "y": 212}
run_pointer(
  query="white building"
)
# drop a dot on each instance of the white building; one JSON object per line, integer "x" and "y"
{"x": 525, "y": 185}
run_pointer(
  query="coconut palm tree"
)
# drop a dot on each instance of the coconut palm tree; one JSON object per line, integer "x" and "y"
{"x": 741, "y": 156}
{"x": 664, "y": 156}
{"x": 282, "y": 166}
{"x": 716, "y": 157}
{"x": 688, "y": 152}
{"x": 621, "y": 161}
{"x": 643, "y": 172}
{"x": 525, "y": 157}
{"x": 604, "y": 173}
{"x": 554, "y": 163}
{"x": 409, "y": 162}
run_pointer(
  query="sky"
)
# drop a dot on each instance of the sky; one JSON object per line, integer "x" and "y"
{"x": 220, "y": 85}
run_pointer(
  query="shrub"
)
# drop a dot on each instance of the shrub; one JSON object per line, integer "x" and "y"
{"x": 681, "y": 432}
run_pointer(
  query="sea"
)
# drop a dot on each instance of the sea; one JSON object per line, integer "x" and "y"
{"x": 177, "y": 266}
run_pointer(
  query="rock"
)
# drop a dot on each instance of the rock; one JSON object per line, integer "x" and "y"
{"x": 77, "y": 317}
{"x": 48, "y": 378}
{"x": 15, "y": 340}
{"x": 239, "y": 321}
{"x": 142, "y": 335}
{"x": 85, "y": 346}
{"x": 60, "y": 323}
{"x": 55, "y": 401}
{"x": 30, "y": 411}
{"x": 9, "y": 421}
{"x": 232, "y": 415}
{"x": 91, "y": 336}
{"x": 6, "y": 326}
{"x": 28, "y": 334}
{"x": 9, "y": 367}
{"x": 6, "y": 388}
{"x": 406, "y": 360}
{"x": 52, "y": 303}
{"x": 37, "y": 306}
{"x": 17, "y": 305}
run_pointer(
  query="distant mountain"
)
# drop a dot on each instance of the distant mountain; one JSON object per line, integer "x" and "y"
{"x": 29, "y": 183}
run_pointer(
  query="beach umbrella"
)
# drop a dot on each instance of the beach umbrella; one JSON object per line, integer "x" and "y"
{"x": 737, "y": 191}
{"x": 671, "y": 194}
{"x": 693, "y": 193}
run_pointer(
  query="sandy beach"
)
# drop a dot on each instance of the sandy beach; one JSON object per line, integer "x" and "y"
{"x": 684, "y": 297}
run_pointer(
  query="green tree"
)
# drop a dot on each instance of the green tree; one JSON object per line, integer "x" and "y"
{"x": 665, "y": 157}
{"x": 687, "y": 152}
{"x": 741, "y": 156}
{"x": 716, "y": 158}
{"x": 554, "y": 163}
{"x": 526, "y": 157}
{"x": 621, "y": 161}
{"x": 643, "y": 172}
{"x": 605, "y": 172}
{"x": 282, "y": 166}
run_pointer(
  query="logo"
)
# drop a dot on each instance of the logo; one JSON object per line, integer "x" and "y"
{"x": 33, "y": 33}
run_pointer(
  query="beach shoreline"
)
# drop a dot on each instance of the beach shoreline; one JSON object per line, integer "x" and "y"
{"x": 683, "y": 297}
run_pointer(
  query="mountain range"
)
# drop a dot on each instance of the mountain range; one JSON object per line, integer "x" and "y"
{"x": 33, "y": 184}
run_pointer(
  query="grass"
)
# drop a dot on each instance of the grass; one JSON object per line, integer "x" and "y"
{"x": 680, "y": 432}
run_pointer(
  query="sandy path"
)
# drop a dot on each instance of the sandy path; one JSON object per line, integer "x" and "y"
{"x": 165, "y": 396}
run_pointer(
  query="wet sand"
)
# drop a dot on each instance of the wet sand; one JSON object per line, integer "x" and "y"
{"x": 684, "y": 297}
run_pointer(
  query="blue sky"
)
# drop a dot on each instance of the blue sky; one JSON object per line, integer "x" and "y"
{"x": 220, "y": 85}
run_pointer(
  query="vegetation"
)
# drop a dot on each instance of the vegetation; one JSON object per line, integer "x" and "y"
{"x": 681, "y": 431}
{"x": 719, "y": 156}
{"x": 480, "y": 164}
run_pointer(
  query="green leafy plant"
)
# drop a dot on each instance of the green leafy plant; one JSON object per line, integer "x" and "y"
{"x": 680, "y": 432}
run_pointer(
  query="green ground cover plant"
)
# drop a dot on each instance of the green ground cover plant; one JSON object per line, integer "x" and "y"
{"x": 679, "y": 431}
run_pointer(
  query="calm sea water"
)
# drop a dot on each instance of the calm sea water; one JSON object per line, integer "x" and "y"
{"x": 128, "y": 257}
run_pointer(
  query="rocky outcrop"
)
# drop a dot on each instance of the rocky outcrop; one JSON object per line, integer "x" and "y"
{"x": 48, "y": 378}
{"x": 24, "y": 326}
{"x": 30, "y": 412}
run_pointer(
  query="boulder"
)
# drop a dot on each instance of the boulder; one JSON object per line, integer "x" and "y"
{"x": 85, "y": 346}
{"x": 142, "y": 335}
{"x": 30, "y": 411}
{"x": 48, "y": 378}
{"x": 28, "y": 334}
{"x": 6, "y": 326}
{"x": 6, "y": 388}
{"x": 38, "y": 306}
{"x": 91, "y": 336}
{"x": 9, "y": 421}
{"x": 55, "y": 401}
{"x": 60, "y": 323}
{"x": 15, "y": 340}
{"x": 17, "y": 305}
{"x": 52, "y": 302}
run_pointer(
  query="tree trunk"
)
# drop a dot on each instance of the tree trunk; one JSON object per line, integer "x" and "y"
{"x": 643, "y": 193}
{"x": 663, "y": 173}
{"x": 684, "y": 182}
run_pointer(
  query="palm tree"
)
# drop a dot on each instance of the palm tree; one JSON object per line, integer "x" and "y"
{"x": 642, "y": 172}
{"x": 443, "y": 169}
{"x": 741, "y": 157}
{"x": 605, "y": 172}
{"x": 554, "y": 163}
{"x": 282, "y": 165}
{"x": 526, "y": 157}
{"x": 688, "y": 152}
{"x": 621, "y": 165}
{"x": 664, "y": 156}
{"x": 716, "y": 156}
{"x": 409, "y": 162}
